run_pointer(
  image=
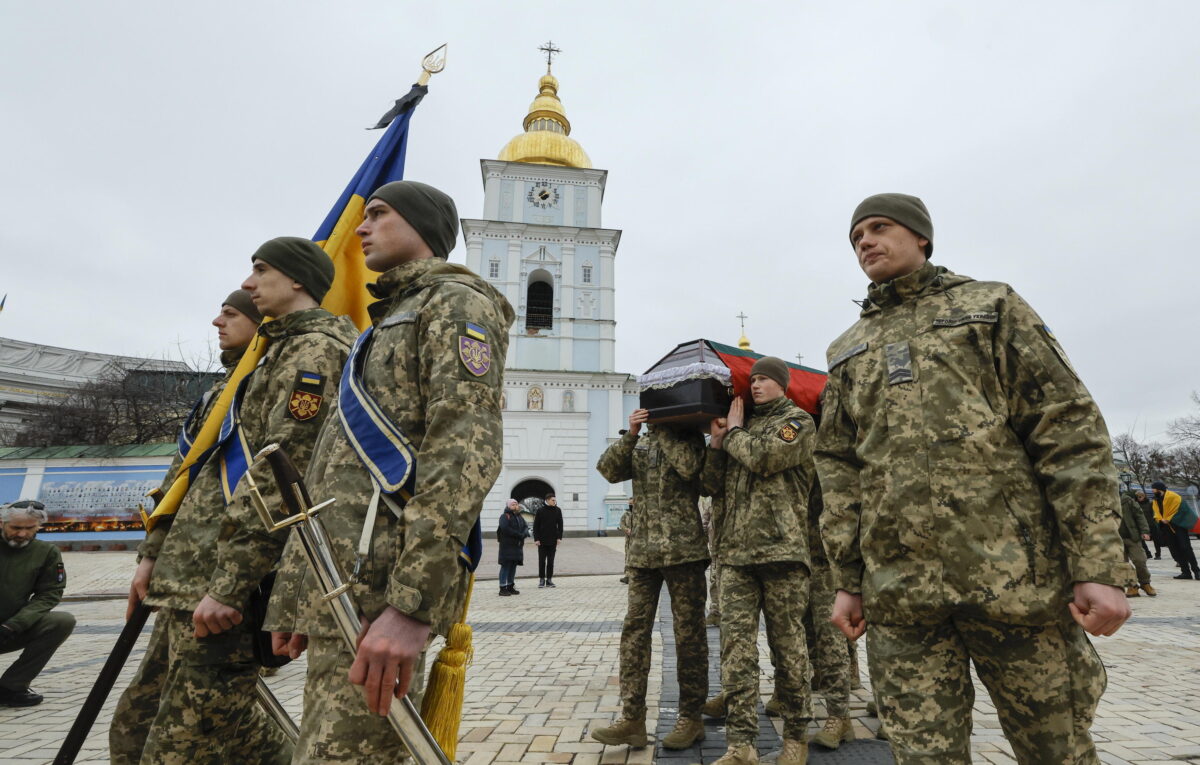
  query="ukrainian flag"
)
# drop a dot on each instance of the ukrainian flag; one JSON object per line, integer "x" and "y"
{"x": 348, "y": 296}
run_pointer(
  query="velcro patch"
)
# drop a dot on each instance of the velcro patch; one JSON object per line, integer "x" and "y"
{"x": 307, "y": 394}
{"x": 845, "y": 355}
{"x": 984, "y": 317}
{"x": 61, "y": 575}
{"x": 475, "y": 355}
{"x": 404, "y": 317}
{"x": 899, "y": 363}
{"x": 790, "y": 431}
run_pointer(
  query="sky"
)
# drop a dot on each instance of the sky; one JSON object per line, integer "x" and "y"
{"x": 147, "y": 148}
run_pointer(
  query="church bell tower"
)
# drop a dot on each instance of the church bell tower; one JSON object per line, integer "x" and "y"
{"x": 541, "y": 244}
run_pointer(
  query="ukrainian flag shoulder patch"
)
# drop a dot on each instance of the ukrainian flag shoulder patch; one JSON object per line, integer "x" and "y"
{"x": 475, "y": 331}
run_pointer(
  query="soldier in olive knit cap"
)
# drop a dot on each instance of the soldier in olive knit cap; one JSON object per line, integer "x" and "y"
{"x": 774, "y": 368}
{"x": 428, "y": 210}
{"x": 908, "y": 211}
{"x": 301, "y": 260}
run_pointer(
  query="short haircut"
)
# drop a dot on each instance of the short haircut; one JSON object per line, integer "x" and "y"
{"x": 24, "y": 508}
{"x": 550, "y": 496}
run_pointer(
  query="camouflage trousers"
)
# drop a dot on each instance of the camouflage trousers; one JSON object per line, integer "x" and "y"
{"x": 780, "y": 592}
{"x": 1137, "y": 556}
{"x": 337, "y": 726}
{"x": 686, "y": 585}
{"x": 193, "y": 701}
{"x": 827, "y": 647}
{"x": 1045, "y": 683}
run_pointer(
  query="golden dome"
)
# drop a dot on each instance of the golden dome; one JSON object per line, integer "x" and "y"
{"x": 744, "y": 343}
{"x": 545, "y": 140}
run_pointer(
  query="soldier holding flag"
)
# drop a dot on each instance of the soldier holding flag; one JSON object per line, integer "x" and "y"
{"x": 413, "y": 452}
{"x": 202, "y": 701}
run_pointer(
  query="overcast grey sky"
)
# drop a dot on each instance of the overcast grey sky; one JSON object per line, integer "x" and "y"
{"x": 149, "y": 147}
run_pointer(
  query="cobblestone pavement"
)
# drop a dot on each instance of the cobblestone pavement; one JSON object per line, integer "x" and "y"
{"x": 545, "y": 672}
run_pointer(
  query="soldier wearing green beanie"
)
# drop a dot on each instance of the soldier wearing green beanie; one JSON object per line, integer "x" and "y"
{"x": 908, "y": 211}
{"x": 776, "y": 369}
{"x": 240, "y": 301}
{"x": 302, "y": 260}
{"x": 970, "y": 505}
{"x": 428, "y": 210}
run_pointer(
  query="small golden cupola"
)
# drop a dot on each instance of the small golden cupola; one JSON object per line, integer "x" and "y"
{"x": 546, "y": 140}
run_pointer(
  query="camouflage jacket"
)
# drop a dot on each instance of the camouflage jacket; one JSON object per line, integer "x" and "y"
{"x": 450, "y": 413}
{"x": 760, "y": 482}
{"x": 224, "y": 551}
{"x": 965, "y": 467}
{"x": 151, "y": 545}
{"x": 664, "y": 465}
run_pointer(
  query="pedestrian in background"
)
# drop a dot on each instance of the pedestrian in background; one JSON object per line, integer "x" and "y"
{"x": 1134, "y": 532}
{"x": 511, "y": 535}
{"x": 32, "y": 581}
{"x": 547, "y": 531}
{"x": 1166, "y": 505}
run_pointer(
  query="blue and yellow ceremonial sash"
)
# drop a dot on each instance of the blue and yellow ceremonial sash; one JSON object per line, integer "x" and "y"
{"x": 208, "y": 436}
{"x": 236, "y": 454}
{"x": 382, "y": 446}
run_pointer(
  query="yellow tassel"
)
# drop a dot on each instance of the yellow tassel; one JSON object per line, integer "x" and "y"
{"x": 441, "y": 708}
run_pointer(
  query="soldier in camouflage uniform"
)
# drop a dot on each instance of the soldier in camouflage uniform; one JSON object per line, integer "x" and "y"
{"x": 1134, "y": 531}
{"x": 760, "y": 473}
{"x": 666, "y": 544}
{"x": 828, "y": 647}
{"x": 213, "y": 555}
{"x": 447, "y": 403}
{"x": 236, "y": 326}
{"x": 970, "y": 504}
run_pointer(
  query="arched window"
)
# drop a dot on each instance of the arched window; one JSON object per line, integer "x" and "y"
{"x": 539, "y": 301}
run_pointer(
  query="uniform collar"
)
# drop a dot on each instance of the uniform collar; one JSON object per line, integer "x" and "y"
{"x": 396, "y": 280}
{"x": 772, "y": 407}
{"x": 905, "y": 287}
{"x": 295, "y": 322}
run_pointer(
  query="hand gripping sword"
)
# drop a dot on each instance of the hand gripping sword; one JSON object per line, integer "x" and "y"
{"x": 303, "y": 516}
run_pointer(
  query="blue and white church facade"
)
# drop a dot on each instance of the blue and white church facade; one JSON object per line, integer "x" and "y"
{"x": 541, "y": 243}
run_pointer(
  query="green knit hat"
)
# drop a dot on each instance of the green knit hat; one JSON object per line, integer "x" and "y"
{"x": 301, "y": 260}
{"x": 773, "y": 368}
{"x": 908, "y": 211}
{"x": 239, "y": 300}
{"x": 428, "y": 210}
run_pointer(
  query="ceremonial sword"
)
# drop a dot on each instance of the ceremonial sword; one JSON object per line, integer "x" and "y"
{"x": 402, "y": 715}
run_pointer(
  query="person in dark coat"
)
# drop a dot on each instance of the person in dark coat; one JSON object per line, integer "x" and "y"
{"x": 547, "y": 530}
{"x": 1148, "y": 511}
{"x": 511, "y": 535}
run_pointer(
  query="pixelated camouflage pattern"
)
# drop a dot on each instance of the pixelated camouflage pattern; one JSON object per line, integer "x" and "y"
{"x": 982, "y": 486}
{"x": 339, "y": 727}
{"x": 828, "y": 652}
{"x": 760, "y": 483}
{"x": 452, "y": 418}
{"x": 664, "y": 464}
{"x": 138, "y": 705}
{"x": 780, "y": 592}
{"x": 225, "y": 551}
{"x": 152, "y": 544}
{"x": 207, "y": 711}
{"x": 685, "y": 583}
{"x": 1045, "y": 682}
{"x": 714, "y": 570}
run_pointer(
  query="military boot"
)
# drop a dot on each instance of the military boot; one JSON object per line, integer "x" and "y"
{"x": 772, "y": 706}
{"x": 1150, "y": 590}
{"x": 714, "y": 707}
{"x": 686, "y": 732}
{"x": 631, "y": 732}
{"x": 794, "y": 752}
{"x": 1132, "y": 592}
{"x": 836, "y": 730}
{"x": 739, "y": 754}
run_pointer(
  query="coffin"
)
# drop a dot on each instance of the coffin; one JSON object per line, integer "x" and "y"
{"x": 697, "y": 380}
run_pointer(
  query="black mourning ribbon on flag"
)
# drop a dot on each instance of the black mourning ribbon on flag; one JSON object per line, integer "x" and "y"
{"x": 409, "y": 101}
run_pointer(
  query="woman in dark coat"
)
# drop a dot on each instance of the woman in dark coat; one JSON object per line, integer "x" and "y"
{"x": 511, "y": 536}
